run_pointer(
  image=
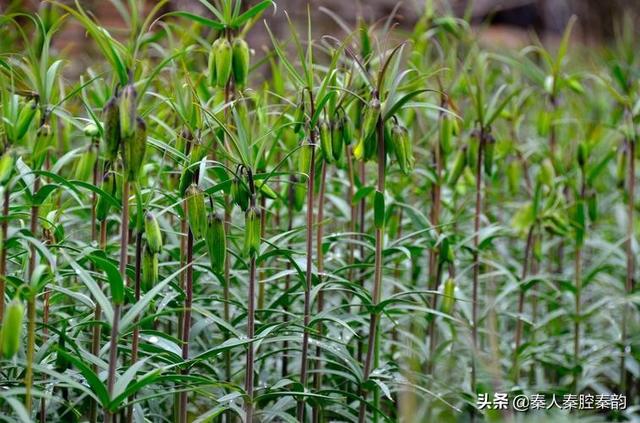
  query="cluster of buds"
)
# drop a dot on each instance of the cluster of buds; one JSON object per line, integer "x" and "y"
{"x": 334, "y": 135}
{"x": 227, "y": 59}
{"x": 125, "y": 132}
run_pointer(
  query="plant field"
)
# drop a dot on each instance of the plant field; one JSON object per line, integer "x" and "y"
{"x": 380, "y": 224}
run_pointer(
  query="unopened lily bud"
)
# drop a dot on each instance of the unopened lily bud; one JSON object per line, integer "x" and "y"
{"x": 111, "y": 122}
{"x": 127, "y": 111}
{"x": 304, "y": 158}
{"x": 241, "y": 59}
{"x": 223, "y": 60}
{"x": 472, "y": 151}
{"x": 621, "y": 167}
{"x": 514, "y": 175}
{"x": 103, "y": 205}
{"x": 84, "y": 165}
{"x": 25, "y": 117}
{"x": 135, "y": 147}
{"x": 459, "y": 165}
{"x": 91, "y": 130}
{"x": 196, "y": 214}
{"x": 216, "y": 241}
{"x": 300, "y": 194}
{"x": 347, "y": 130}
{"x": 12, "y": 328}
{"x": 240, "y": 194}
{"x": 449, "y": 296}
{"x": 252, "y": 232}
{"x": 582, "y": 154}
{"x": 6, "y": 167}
{"x": 592, "y": 202}
{"x": 402, "y": 147}
{"x": 153, "y": 233}
{"x": 489, "y": 149}
{"x": 337, "y": 139}
{"x": 547, "y": 174}
{"x": 212, "y": 76}
{"x": 325, "y": 140}
{"x": 149, "y": 269}
{"x": 445, "y": 134}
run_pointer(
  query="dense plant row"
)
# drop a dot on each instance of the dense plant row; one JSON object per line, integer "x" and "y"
{"x": 350, "y": 228}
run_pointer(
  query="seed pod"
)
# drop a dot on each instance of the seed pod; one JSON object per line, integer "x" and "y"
{"x": 25, "y": 118}
{"x": 241, "y": 59}
{"x": 582, "y": 154}
{"x": 127, "y": 111}
{"x": 337, "y": 139}
{"x": 378, "y": 210}
{"x": 103, "y": 205}
{"x": 621, "y": 167}
{"x": 592, "y": 200}
{"x": 514, "y": 175}
{"x": 547, "y": 174}
{"x": 240, "y": 194}
{"x": 91, "y": 130}
{"x": 84, "y": 165}
{"x": 6, "y": 167}
{"x": 135, "y": 147}
{"x": 212, "y": 74}
{"x": 152, "y": 230}
{"x": 196, "y": 214}
{"x": 448, "y": 299}
{"x": 459, "y": 164}
{"x": 325, "y": 140}
{"x": 12, "y": 328}
{"x": 149, "y": 269}
{"x": 445, "y": 134}
{"x": 304, "y": 159}
{"x": 223, "y": 62}
{"x": 489, "y": 148}
{"x": 252, "y": 232}
{"x": 111, "y": 123}
{"x": 216, "y": 241}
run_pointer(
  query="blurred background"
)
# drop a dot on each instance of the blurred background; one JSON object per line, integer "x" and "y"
{"x": 510, "y": 23}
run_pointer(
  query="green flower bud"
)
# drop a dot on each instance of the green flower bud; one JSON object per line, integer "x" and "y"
{"x": 547, "y": 174}
{"x": 489, "y": 148}
{"x": 621, "y": 167}
{"x": 252, "y": 232}
{"x": 154, "y": 235}
{"x": 212, "y": 75}
{"x": 459, "y": 165}
{"x": 445, "y": 134}
{"x": 91, "y": 130}
{"x": 325, "y": 140}
{"x": 347, "y": 130}
{"x": 7, "y": 162}
{"x": 196, "y": 214}
{"x": 300, "y": 195}
{"x": 85, "y": 164}
{"x": 337, "y": 139}
{"x": 241, "y": 59}
{"x": 514, "y": 175}
{"x": 127, "y": 111}
{"x": 582, "y": 154}
{"x": 12, "y": 328}
{"x": 448, "y": 300}
{"x": 240, "y": 194}
{"x": 25, "y": 118}
{"x": 592, "y": 201}
{"x": 304, "y": 159}
{"x": 402, "y": 148}
{"x": 135, "y": 147}
{"x": 103, "y": 205}
{"x": 111, "y": 123}
{"x": 216, "y": 240}
{"x": 149, "y": 269}
{"x": 223, "y": 57}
